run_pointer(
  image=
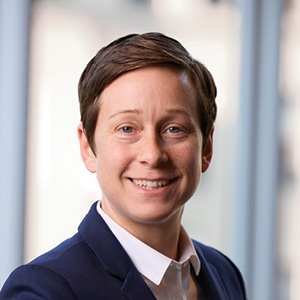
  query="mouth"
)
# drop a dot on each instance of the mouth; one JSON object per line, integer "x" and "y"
{"x": 151, "y": 184}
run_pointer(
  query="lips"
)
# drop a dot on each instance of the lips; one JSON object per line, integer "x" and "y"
{"x": 150, "y": 184}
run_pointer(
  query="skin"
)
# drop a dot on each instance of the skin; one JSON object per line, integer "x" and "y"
{"x": 148, "y": 156}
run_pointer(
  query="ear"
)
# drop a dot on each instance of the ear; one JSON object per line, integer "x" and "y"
{"x": 87, "y": 154}
{"x": 207, "y": 152}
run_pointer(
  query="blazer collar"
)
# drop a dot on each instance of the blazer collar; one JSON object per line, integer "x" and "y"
{"x": 112, "y": 256}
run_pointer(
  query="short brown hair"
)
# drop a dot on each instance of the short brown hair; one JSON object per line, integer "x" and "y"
{"x": 136, "y": 51}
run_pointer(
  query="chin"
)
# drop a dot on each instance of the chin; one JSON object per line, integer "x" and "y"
{"x": 158, "y": 216}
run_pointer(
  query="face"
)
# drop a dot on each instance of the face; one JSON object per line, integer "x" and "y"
{"x": 148, "y": 145}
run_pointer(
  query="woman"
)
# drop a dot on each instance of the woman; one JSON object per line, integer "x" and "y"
{"x": 147, "y": 120}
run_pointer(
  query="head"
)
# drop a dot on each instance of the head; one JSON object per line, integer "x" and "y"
{"x": 133, "y": 52}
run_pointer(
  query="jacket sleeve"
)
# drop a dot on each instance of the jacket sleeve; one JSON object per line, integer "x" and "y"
{"x": 33, "y": 282}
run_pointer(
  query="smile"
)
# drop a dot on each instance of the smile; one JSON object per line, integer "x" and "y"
{"x": 149, "y": 184}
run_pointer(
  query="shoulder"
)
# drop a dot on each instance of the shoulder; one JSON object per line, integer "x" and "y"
{"x": 66, "y": 256}
{"x": 72, "y": 270}
{"x": 216, "y": 258}
{"x": 35, "y": 282}
{"x": 227, "y": 271}
{"x": 43, "y": 278}
{"x": 84, "y": 265}
{"x": 51, "y": 275}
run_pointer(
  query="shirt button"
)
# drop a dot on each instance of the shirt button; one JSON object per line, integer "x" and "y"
{"x": 177, "y": 297}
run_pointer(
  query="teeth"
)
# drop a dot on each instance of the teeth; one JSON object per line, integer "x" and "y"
{"x": 150, "y": 185}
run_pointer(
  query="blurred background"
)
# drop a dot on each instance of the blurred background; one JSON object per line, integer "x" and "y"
{"x": 248, "y": 203}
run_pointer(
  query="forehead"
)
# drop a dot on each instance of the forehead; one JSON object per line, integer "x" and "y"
{"x": 153, "y": 80}
{"x": 152, "y": 90}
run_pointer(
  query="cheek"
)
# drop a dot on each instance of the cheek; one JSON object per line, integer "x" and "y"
{"x": 192, "y": 152}
{"x": 191, "y": 160}
{"x": 187, "y": 157}
{"x": 111, "y": 159}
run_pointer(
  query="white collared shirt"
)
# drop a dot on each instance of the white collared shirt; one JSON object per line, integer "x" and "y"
{"x": 166, "y": 278}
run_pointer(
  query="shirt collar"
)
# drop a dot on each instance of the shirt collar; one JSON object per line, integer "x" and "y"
{"x": 149, "y": 262}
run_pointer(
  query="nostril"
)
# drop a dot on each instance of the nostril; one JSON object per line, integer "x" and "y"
{"x": 152, "y": 153}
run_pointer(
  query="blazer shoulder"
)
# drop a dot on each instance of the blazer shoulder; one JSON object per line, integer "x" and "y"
{"x": 35, "y": 282}
{"x": 51, "y": 275}
{"x": 224, "y": 266}
{"x": 216, "y": 257}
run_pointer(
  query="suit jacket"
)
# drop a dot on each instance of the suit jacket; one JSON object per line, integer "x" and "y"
{"x": 93, "y": 265}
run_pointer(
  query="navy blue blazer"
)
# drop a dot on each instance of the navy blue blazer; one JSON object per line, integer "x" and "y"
{"x": 93, "y": 265}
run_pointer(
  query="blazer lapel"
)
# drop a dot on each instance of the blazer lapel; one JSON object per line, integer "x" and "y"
{"x": 113, "y": 256}
{"x": 210, "y": 281}
{"x": 134, "y": 287}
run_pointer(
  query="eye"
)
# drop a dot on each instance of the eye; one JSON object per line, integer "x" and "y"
{"x": 126, "y": 129}
{"x": 174, "y": 129}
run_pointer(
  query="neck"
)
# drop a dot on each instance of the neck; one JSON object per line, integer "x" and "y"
{"x": 163, "y": 236}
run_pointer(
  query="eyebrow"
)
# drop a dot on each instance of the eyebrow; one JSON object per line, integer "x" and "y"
{"x": 136, "y": 111}
{"x": 179, "y": 111}
{"x": 126, "y": 111}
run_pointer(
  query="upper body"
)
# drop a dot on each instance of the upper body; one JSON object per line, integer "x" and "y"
{"x": 147, "y": 121}
{"x": 93, "y": 265}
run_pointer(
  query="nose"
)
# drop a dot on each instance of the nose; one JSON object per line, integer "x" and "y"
{"x": 152, "y": 151}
